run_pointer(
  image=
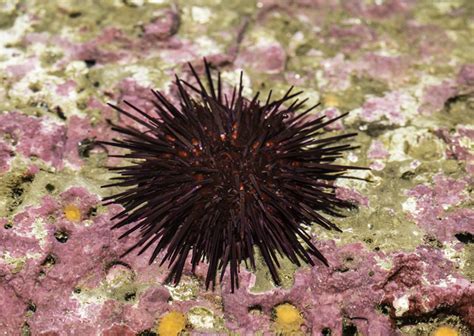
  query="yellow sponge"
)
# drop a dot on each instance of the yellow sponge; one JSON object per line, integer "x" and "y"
{"x": 287, "y": 319}
{"x": 445, "y": 331}
{"x": 72, "y": 213}
{"x": 171, "y": 324}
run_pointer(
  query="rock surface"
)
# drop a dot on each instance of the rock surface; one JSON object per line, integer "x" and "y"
{"x": 404, "y": 263}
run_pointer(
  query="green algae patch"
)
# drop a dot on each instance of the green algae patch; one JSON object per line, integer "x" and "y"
{"x": 64, "y": 16}
{"x": 383, "y": 225}
{"x": 459, "y": 28}
{"x": 356, "y": 94}
{"x": 186, "y": 290}
{"x": 467, "y": 266}
{"x": 8, "y": 13}
{"x": 49, "y": 183}
{"x": 457, "y": 110}
{"x": 118, "y": 284}
{"x": 203, "y": 319}
{"x": 146, "y": 72}
{"x": 15, "y": 185}
{"x": 14, "y": 263}
{"x": 204, "y": 22}
{"x": 263, "y": 279}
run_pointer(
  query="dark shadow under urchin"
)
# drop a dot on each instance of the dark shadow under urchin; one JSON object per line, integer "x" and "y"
{"x": 220, "y": 174}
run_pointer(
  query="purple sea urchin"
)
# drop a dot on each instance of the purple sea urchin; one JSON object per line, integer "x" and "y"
{"x": 219, "y": 175}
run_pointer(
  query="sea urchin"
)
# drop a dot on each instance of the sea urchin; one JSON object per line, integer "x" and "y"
{"x": 219, "y": 175}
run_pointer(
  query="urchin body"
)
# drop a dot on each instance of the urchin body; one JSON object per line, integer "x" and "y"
{"x": 219, "y": 175}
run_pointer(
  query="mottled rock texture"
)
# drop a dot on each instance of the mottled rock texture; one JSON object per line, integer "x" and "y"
{"x": 404, "y": 263}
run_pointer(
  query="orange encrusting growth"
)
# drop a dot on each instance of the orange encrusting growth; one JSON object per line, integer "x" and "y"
{"x": 331, "y": 101}
{"x": 445, "y": 331}
{"x": 288, "y": 319}
{"x": 171, "y": 324}
{"x": 72, "y": 213}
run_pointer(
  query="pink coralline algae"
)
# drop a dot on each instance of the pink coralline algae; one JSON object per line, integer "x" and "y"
{"x": 435, "y": 96}
{"x": 388, "y": 107}
{"x": 269, "y": 58}
{"x": 94, "y": 50}
{"x": 353, "y": 287}
{"x": 377, "y": 150}
{"x": 321, "y": 292}
{"x": 6, "y": 153}
{"x": 379, "y": 11}
{"x": 44, "y": 138}
{"x": 55, "y": 264}
{"x": 337, "y": 71}
{"x": 80, "y": 139}
{"x": 136, "y": 94}
{"x": 391, "y": 63}
{"x": 33, "y": 136}
{"x": 458, "y": 145}
{"x": 66, "y": 88}
{"x": 428, "y": 41}
{"x": 426, "y": 281}
{"x": 353, "y": 37}
{"x": 352, "y": 195}
{"x": 162, "y": 26}
{"x": 432, "y": 208}
{"x": 377, "y": 153}
{"x": 384, "y": 68}
{"x": 466, "y": 75}
{"x": 331, "y": 113}
{"x": 20, "y": 70}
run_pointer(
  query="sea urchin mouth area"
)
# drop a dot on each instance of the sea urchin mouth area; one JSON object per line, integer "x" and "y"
{"x": 217, "y": 176}
{"x": 234, "y": 169}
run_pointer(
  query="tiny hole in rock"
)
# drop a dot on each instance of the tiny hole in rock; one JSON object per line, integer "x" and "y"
{"x": 60, "y": 113}
{"x": 49, "y": 187}
{"x": 85, "y": 146}
{"x": 92, "y": 212}
{"x": 61, "y": 236}
{"x": 326, "y": 332}
{"x": 25, "y": 329}
{"x": 408, "y": 175}
{"x": 255, "y": 309}
{"x": 49, "y": 261}
{"x": 35, "y": 87}
{"x": 111, "y": 264}
{"x": 147, "y": 332}
{"x": 31, "y": 307}
{"x": 465, "y": 237}
{"x": 384, "y": 308}
{"x": 349, "y": 330}
{"x": 75, "y": 15}
{"x": 130, "y": 296}
{"x": 90, "y": 62}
